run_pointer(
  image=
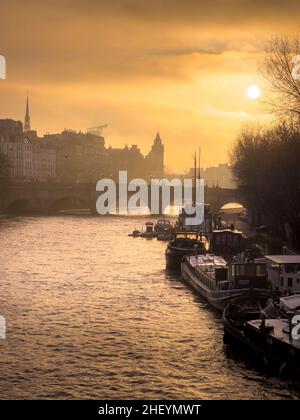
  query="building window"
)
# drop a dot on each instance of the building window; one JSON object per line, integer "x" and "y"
{"x": 281, "y": 281}
{"x": 290, "y": 282}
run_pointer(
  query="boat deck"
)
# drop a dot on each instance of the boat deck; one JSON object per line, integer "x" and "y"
{"x": 207, "y": 261}
{"x": 280, "y": 332}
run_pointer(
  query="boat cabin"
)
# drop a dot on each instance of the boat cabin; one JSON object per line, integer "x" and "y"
{"x": 283, "y": 272}
{"x": 189, "y": 239}
{"x": 149, "y": 227}
{"x": 226, "y": 241}
{"x": 248, "y": 275}
{"x": 149, "y": 232}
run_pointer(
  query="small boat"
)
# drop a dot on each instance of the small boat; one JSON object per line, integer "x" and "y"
{"x": 217, "y": 282}
{"x": 162, "y": 225}
{"x": 184, "y": 243}
{"x": 164, "y": 230}
{"x": 149, "y": 232}
{"x": 274, "y": 341}
{"x": 164, "y": 235}
{"x": 135, "y": 234}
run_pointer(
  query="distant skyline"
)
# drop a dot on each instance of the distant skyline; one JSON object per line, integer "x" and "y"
{"x": 181, "y": 68}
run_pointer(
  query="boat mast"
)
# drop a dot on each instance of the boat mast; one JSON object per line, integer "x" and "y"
{"x": 195, "y": 178}
{"x": 199, "y": 163}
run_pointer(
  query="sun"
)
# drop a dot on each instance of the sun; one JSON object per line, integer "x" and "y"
{"x": 253, "y": 92}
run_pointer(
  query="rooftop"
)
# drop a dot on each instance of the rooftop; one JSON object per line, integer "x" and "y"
{"x": 284, "y": 259}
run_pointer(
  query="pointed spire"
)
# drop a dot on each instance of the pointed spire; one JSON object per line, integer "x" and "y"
{"x": 27, "y": 117}
{"x": 157, "y": 140}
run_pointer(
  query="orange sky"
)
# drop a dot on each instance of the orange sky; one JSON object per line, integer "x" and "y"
{"x": 180, "y": 67}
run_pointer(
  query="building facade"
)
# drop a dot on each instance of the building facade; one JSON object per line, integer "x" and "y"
{"x": 29, "y": 161}
{"x": 80, "y": 157}
{"x": 72, "y": 156}
{"x": 83, "y": 157}
{"x": 28, "y": 157}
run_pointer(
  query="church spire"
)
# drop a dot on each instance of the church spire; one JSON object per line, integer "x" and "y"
{"x": 27, "y": 117}
{"x": 157, "y": 140}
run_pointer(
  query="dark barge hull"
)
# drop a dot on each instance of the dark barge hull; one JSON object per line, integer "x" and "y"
{"x": 272, "y": 353}
{"x": 174, "y": 257}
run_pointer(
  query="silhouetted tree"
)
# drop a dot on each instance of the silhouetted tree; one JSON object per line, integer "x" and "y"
{"x": 281, "y": 69}
{"x": 266, "y": 167}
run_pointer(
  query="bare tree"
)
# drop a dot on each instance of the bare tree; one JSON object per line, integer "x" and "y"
{"x": 266, "y": 167}
{"x": 281, "y": 68}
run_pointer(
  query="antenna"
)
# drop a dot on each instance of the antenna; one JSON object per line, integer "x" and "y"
{"x": 199, "y": 163}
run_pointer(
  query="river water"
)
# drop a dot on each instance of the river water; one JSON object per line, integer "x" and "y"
{"x": 91, "y": 313}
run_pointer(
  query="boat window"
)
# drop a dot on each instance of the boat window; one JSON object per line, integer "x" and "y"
{"x": 289, "y": 268}
{"x": 281, "y": 281}
{"x": 261, "y": 270}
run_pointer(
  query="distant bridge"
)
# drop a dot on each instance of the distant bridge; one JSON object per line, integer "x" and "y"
{"x": 50, "y": 198}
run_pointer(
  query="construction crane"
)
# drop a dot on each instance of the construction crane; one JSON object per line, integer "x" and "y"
{"x": 96, "y": 130}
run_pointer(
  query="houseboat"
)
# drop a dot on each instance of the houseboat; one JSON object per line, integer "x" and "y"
{"x": 217, "y": 282}
{"x": 274, "y": 341}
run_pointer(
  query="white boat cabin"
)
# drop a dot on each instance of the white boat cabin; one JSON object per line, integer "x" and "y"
{"x": 212, "y": 270}
{"x": 283, "y": 272}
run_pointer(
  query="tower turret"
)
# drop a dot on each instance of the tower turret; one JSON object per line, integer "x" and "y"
{"x": 155, "y": 158}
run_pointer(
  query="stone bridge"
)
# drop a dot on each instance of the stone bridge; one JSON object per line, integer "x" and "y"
{"x": 50, "y": 198}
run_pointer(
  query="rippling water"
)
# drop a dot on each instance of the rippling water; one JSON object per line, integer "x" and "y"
{"x": 91, "y": 313}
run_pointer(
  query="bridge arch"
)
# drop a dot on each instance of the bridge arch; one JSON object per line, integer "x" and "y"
{"x": 20, "y": 206}
{"x": 237, "y": 205}
{"x": 68, "y": 202}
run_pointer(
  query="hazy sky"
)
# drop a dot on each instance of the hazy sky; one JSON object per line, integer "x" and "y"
{"x": 181, "y": 67}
